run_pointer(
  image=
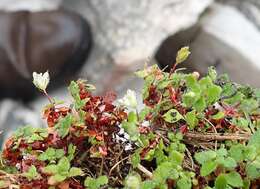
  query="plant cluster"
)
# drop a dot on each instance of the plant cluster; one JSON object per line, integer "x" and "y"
{"x": 193, "y": 132}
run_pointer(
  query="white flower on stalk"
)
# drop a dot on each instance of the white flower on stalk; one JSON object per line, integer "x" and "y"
{"x": 129, "y": 99}
{"x": 40, "y": 80}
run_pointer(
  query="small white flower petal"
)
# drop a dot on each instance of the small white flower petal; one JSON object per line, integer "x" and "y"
{"x": 129, "y": 99}
{"x": 40, "y": 80}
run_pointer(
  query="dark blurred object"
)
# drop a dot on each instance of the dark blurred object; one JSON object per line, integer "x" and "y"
{"x": 58, "y": 41}
{"x": 223, "y": 38}
{"x": 166, "y": 53}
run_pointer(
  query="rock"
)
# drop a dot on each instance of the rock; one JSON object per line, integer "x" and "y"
{"x": 250, "y": 8}
{"x": 58, "y": 41}
{"x": 31, "y": 5}
{"x": 130, "y": 31}
{"x": 224, "y": 38}
{"x": 14, "y": 115}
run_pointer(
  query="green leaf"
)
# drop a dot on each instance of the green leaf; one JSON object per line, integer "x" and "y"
{"x": 144, "y": 112}
{"x": 172, "y": 116}
{"x": 63, "y": 165}
{"x": 246, "y": 184}
{"x": 248, "y": 105}
{"x": 189, "y": 98}
{"x": 234, "y": 179}
{"x": 150, "y": 155}
{"x": 208, "y": 167}
{"x": 192, "y": 83}
{"x": 205, "y": 156}
{"x": 253, "y": 169}
{"x": 234, "y": 99}
{"x": 227, "y": 162}
{"x": 75, "y": 171}
{"x": 222, "y": 152}
{"x": 135, "y": 160}
{"x": 163, "y": 84}
{"x": 250, "y": 152}
{"x": 34, "y": 137}
{"x": 175, "y": 157}
{"x": 241, "y": 122}
{"x": 205, "y": 83}
{"x": 191, "y": 119}
{"x": 30, "y": 134}
{"x": 212, "y": 73}
{"x": 219, "y": 115}
{"x": 237, "y": 152}
{"x": 213, "y": 94}
{"x": 56, "y": 179}
{"x": 228, "y": 90}
{"x": 131, "y": 129}
{"x": 162, "y": 172}
{"x": 133, "y": 181}
{"x": 74, "y": 90}
{"x": 132, "y": 117}
{"x": 63, "y": 125}
{"x": 31, "y": 174}
{"x": 51, "y": 169}
{"x": 182, "y": 55}
{"x": 200, "y": 104}
{"x": 221, "y": 182}
{"x": 160, "y": 156}
{"x": 71, "y": 151}
{"x": 92, "y": 183}
{"x": 51, "y": 154}
{"x": 59, "y": 153}
{"x": 255, "y": 140}
{"x": 148, "y": 184}
{"x": 184, "y": 183}
{"x": 130, "y": 126}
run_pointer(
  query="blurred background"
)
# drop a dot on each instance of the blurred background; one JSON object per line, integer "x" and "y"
{"x": 106, "y": 41}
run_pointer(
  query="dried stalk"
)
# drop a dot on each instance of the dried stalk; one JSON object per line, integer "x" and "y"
{"x": 145, "y": 171}
{"x": 117, "y": 164}
{"x": 216, "y": 136}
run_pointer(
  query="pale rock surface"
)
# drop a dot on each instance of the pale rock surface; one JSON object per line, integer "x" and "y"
{"x": 14, "y": 115}
{"x": 130, "y": 31}
{"x": 30, "y": 5}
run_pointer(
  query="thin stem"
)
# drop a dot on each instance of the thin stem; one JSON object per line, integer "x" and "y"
{"x": 172, "y": 69}
{"x": 145, "y": 171}
{"x": 48, "y": 96}
{"x": 215, "y": 130}
{"x": 101, "y": 167}
{"x": 117, "y": 165}
{"x": 189, "y": 155}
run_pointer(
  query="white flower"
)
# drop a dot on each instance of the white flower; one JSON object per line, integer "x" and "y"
{"x": 129, "y": 99}
{"x": 40, "y": 80}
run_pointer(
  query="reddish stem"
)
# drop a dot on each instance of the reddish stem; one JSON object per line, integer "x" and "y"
{"x": 48, "y": 96}
{"x": 172, "y": 69}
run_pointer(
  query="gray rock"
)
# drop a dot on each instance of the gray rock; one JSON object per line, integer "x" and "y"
{"x": 250, "y": 8}
{"x": 130, "y": 31}
{"x": 224, "y": 38}
{"x": 14, "y": 115}
{"x": 31, "y": 5}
